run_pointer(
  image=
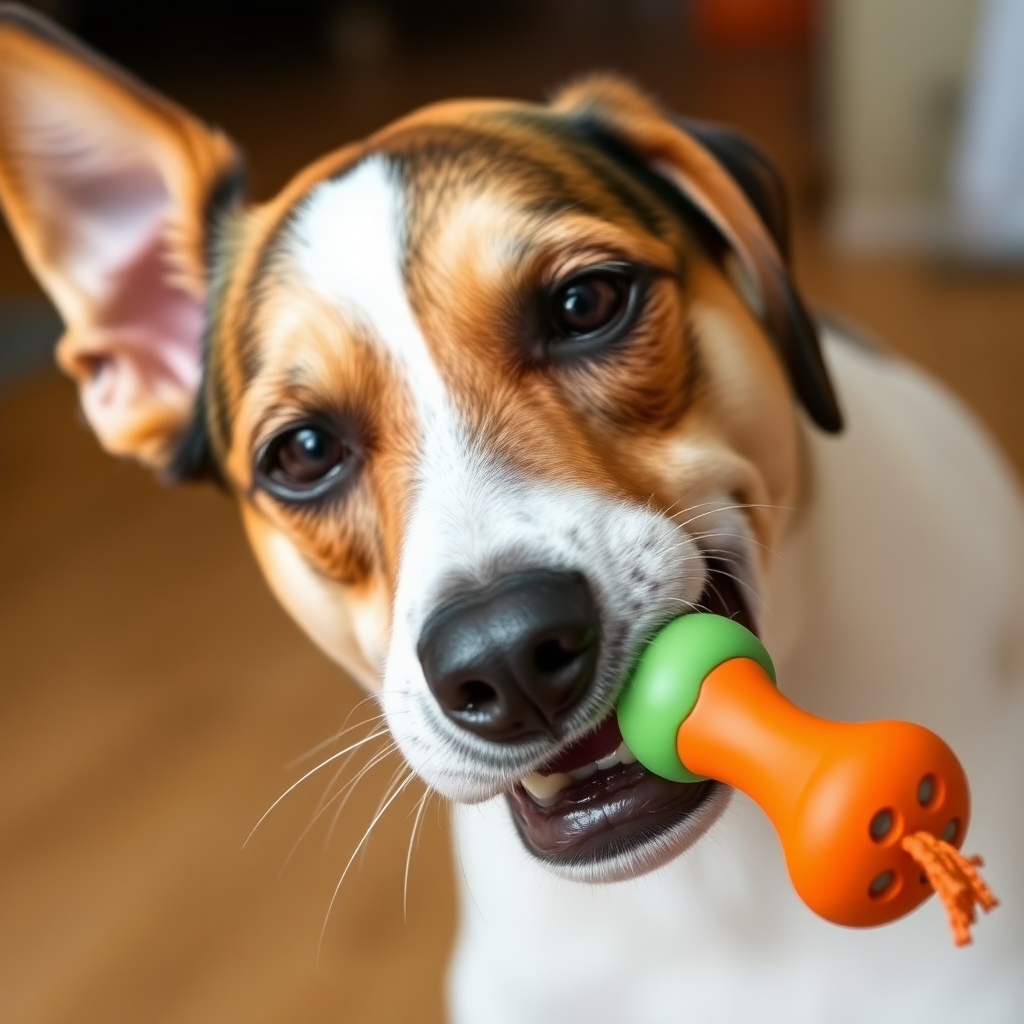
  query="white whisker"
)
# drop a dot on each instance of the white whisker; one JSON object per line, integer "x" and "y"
{"x": 420, "y": 807}
{"x": 355, "y": 853}
{"x": 312, "y": 771}
{"x": 325, "y": 802}
{"x": 721, "y": 508}
{"x": 349, "y": 788}
{"x": 344, "y": 730}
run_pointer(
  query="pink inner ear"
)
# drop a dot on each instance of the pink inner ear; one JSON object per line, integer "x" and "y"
{"x": 114, "y": 248}
{"x": 140, "y": 357}
{"x": 150, "y": 320}
{"x": 100, "y": 203}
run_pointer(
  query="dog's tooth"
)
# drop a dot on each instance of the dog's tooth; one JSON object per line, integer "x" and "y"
{"x": 545, "y": 788}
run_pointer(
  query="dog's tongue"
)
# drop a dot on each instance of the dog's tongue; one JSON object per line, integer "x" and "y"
{"x": 601, "y": 742}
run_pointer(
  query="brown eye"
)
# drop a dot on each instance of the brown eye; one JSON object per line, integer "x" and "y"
{"x": 590, "y": 303}
{"x": 302, "y": 462}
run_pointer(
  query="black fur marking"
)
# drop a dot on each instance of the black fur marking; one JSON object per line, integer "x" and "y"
{"x": 598, "y": 136}
{"x": 801, "y": 354}
{"x": 603, "y": 167}
{"x": 194, "y": 458}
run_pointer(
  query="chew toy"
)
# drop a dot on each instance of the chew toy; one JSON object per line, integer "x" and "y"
{"x": 870, "y": 815}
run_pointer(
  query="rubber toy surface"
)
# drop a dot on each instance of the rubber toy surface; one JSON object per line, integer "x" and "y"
{"x": 870, "y": 814}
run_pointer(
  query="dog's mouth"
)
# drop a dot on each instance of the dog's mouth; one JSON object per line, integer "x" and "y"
{"x": 595, "y": 805}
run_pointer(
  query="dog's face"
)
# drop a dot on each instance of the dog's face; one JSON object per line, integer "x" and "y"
{"x": 499, "y": 391}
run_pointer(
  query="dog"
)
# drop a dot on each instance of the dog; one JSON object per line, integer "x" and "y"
{"x": 499, "y": 391}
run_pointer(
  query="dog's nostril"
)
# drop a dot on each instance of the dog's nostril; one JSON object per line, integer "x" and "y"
{"x": 553, "y": 655}
{"x": 476, "y": 696}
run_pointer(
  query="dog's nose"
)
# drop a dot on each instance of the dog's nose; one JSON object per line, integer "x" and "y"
{"x": 513, "y": 659}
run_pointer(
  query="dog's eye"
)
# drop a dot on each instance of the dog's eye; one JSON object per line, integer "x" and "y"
{"x": 589, "y": 304}
{"x": 306, "y": 455}
{"x": 593, "y": 306}
{"x": 302, "y": 462}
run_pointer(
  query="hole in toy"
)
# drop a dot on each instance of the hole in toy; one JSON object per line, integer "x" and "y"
{"x": 882, "y": 885}
{"x": 881, "y": 824}
{"x": 926, "y": 790}
{"x": 951, "y": 830}
{"x": 930, "y": 791}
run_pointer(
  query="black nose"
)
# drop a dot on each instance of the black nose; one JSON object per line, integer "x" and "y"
{"x": 513, "y": 659}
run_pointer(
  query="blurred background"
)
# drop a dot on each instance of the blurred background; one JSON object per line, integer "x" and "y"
{"x": 154, "y": 700}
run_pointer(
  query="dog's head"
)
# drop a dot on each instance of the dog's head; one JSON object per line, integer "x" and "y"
{"x": 499, "y": 390}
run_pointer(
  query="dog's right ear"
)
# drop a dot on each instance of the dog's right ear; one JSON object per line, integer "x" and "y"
{"x": 109, "y": 190}
{"x": 751, "y": 170}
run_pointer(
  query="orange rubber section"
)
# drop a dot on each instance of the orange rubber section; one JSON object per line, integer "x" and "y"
{"x": 824, "y": 785}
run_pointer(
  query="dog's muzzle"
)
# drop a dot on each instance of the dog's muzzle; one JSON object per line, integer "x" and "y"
{"x": 517, "y": 661}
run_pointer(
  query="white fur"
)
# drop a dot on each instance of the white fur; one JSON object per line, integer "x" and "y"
{"x": 348, "y": 240}
{"x": 902, "y": 596}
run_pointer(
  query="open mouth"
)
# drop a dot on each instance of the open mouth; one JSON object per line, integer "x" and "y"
{"x": 594, "y": 803}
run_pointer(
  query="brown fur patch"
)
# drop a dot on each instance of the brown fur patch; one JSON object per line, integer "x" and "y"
{"x": 314, "y": 363}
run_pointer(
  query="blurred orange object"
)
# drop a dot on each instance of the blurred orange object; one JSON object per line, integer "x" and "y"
{"x": 752, "y": 24}
{"x": 843, "y": 797}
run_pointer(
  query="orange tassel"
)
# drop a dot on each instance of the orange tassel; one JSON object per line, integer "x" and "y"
{"x": 954, "y": 878}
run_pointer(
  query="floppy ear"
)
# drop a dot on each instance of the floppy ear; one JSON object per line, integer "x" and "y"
{"x": 108, "y": 189}
{"x": 752, "y": 171}
{"x": 733, "y": 189}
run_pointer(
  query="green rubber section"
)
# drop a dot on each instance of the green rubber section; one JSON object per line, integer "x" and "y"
{"x": 666, "y": 682}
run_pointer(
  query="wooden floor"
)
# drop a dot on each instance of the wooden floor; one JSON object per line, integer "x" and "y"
{"x": 153, "y": 697}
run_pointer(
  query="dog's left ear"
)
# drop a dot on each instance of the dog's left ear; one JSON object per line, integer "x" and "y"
{"x": 734, "y": 189}
{"x": 109, "y": 190}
